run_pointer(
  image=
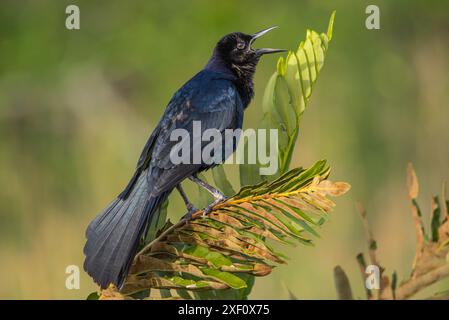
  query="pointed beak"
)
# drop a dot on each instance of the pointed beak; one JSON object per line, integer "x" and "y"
{"x": 265, "y": 50}
{"x": 269, "y": 50}
{"x": 261, "y": 33}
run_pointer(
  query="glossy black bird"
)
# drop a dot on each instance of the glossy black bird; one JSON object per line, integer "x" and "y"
{"x": 217, "y": 97}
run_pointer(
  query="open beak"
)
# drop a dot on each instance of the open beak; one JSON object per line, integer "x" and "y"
{"x": 264, "y": 50}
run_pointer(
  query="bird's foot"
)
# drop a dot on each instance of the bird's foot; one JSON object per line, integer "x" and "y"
{"x": 219, "y": 197}
{"x": 191, "y": 210}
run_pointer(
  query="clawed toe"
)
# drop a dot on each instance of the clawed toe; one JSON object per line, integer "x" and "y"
{"x": 191, "y": 209}
{"x": 189, "y": 214}
{"x": 217, "y": 200}
{"x": 206, "y": 211}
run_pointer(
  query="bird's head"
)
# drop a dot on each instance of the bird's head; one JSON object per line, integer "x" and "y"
{"x": 235, "y": 49}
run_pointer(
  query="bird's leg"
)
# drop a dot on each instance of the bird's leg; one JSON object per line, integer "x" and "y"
{"x": 190, "y": 207}
{"x": 214, "y": 192}
{"x": 218, "y": 196}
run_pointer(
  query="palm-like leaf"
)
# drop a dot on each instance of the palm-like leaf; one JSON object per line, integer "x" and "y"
{"x": 215, "y": 251}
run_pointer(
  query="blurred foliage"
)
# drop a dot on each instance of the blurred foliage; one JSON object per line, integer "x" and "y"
{"x": 76, "y": 107}
{"x": 431, "y": 262}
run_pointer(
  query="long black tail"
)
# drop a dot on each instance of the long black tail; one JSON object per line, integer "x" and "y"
{"x": 114, "y": 235}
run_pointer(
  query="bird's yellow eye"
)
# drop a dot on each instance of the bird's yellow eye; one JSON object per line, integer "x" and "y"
{"x": 240, "y": 45}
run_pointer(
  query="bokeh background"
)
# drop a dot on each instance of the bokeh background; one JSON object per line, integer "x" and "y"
{"x": 76, "y": 107}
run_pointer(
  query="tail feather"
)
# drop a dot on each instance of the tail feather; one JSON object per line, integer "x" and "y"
{"x": 114, "y": 235}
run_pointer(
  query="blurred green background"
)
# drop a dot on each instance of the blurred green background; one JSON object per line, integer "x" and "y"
{"x": 76, "y": 107}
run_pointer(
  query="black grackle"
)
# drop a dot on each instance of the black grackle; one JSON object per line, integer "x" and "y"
{"x": 217, "y": 97}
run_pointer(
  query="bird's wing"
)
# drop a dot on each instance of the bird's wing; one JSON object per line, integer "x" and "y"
{"x": 145, "y": 156}
{"x": 215, "y": 104}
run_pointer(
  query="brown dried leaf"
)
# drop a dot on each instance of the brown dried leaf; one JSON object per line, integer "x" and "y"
{"x": 335, "y": 189}
{"x": 412, "y": 182}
